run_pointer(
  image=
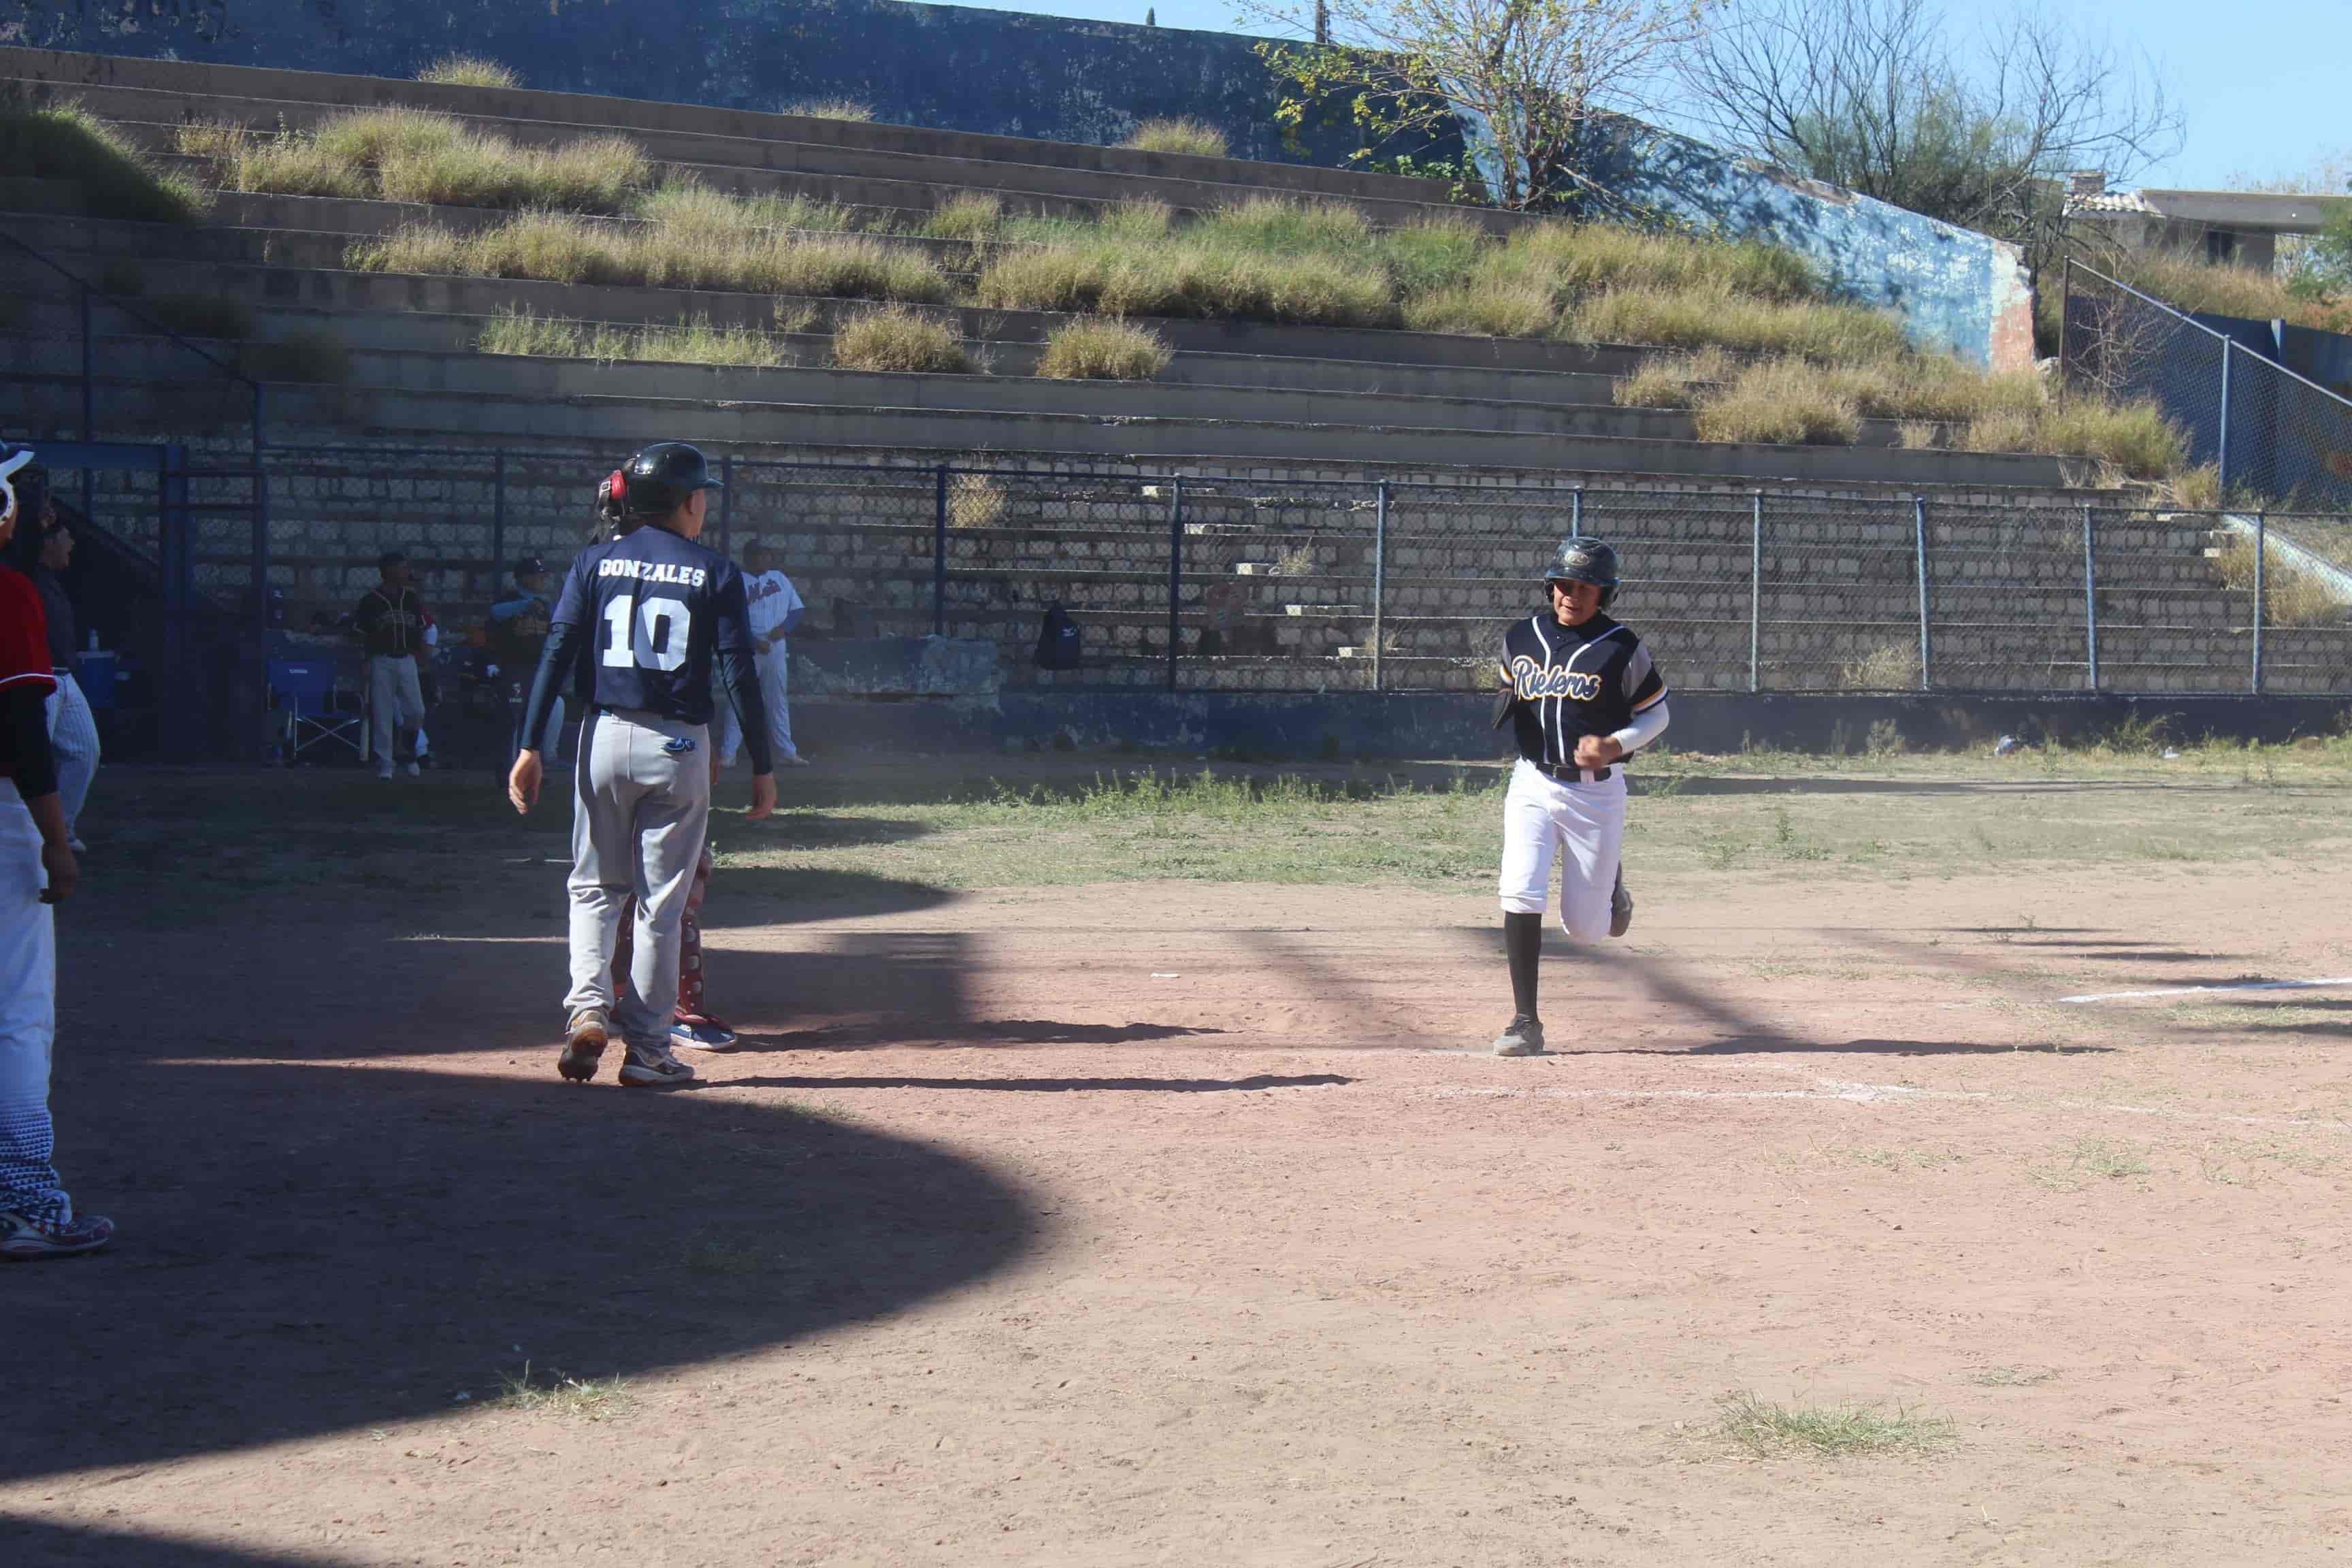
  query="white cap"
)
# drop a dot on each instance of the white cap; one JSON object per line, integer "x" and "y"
{"x": 8, "y": 467}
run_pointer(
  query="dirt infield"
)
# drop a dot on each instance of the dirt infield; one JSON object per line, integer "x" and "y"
{"x": 1173, "y": 1222}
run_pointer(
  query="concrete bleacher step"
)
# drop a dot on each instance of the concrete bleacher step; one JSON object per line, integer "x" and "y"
{"x": 242, "y": 270}
{"x": 67, "y": 73}
{"x": 864, "y": 176}
{"x": 431, "y": 415}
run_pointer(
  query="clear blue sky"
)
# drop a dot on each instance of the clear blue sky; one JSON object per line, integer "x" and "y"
{"x": 2262, "y": 82}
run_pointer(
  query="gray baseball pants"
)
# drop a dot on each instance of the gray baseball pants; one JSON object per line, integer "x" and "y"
{"x": 640, "y": 811}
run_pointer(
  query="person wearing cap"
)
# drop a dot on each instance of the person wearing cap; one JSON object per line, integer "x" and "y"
{"x": 518, "y": 631}
{"x": 390, "y": 623}
{"x": 38, "y": 871}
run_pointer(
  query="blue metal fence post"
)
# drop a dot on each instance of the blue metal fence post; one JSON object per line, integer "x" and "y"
{"x": 2091, "y": 596}
{"x": 1919, "y": 541}
{"x": 939, "y": 556}
{"x": 1379, "y": 571}
{"x": 499, "y": 523}
{"x": 2227, "y": 344}
{"x": 2261, "y": 555}
{"x": 1576, "y": 513}
{"x": 1755, "y": 585}
{"x": 727, "y": 504}
{"x": 1175, "y": 571}
{"x": 88, "y": 407}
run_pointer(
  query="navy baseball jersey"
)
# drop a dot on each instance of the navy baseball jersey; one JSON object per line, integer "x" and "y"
{"x": 657, "y": 606}
{"x": 1568, "y": 682}
{"x": 642, "y": 619}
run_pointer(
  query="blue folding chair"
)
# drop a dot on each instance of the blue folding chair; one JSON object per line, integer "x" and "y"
{"x": 305, "y": 692}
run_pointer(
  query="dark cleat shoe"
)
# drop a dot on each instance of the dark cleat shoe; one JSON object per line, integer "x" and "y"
{"x": 1523, "y": 1039}
{"x": 1621, "y": 906}
{"x": 584, "y": 1048}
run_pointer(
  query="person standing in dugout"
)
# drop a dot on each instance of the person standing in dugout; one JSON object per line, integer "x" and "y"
{"x": 645, "y": 613}
{"x": 390, "y": 622}
{"x": 1581, "y": 694}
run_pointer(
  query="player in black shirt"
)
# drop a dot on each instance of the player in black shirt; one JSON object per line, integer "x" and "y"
{"x": 641, "y": 620}
{"x": 1581, "y": 693}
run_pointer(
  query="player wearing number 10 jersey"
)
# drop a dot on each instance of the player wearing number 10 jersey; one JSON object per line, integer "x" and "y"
{"x": 639, "y": 624}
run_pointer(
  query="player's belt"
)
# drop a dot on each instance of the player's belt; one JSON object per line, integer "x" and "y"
{"x": 1573, "y": 775}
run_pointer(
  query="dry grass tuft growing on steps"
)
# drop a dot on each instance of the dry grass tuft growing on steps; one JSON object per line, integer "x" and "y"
{"x": 115, "y": 175}
{"x": 1104, "y": 350}
{"x": 559, "y": 248}
{"x": 1180, "y": 134}
{"x": 469, "y": 70}
{"x": 897, "y": 339}
{"x": 415, "y": 155}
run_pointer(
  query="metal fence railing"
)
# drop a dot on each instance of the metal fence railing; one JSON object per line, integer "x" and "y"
{"x": 1204, "y": 581}
{"x": 2268, "y": 432}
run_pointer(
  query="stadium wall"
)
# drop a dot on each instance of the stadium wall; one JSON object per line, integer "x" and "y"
{"x": 1042, "y": 77}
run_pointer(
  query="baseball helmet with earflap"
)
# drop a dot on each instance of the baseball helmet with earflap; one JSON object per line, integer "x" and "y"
{"x": 1581, "y": 560}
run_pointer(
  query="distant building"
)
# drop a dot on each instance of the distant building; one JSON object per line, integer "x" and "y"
{"x": 2227, "y": 228}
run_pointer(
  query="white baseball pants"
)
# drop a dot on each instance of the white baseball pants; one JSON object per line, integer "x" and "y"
{"x": 29, "y": 1018}
{"x": 776, "y": 694}
{"x": 393, "y": 696}
{"x": 640, "y": 814}
{"x": 73, "y": 735}
{"x": 1581, "y": 824}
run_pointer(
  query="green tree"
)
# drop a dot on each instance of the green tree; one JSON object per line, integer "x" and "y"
{"x": 1517, "y": 85}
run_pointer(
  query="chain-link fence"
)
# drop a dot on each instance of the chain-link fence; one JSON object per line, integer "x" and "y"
{"x": 1203, "y": 583}
{"x": 2267, "y": 432}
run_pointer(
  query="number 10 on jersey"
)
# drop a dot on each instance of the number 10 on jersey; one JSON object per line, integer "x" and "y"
{"x": 648, "y": 632}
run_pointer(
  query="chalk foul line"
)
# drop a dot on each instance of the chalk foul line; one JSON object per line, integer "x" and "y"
{"x": 2211, "y": 990}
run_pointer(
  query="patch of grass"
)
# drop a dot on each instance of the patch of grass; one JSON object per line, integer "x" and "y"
{"x": 2011, "y": 1376}
{"x": 2086, "y": 1161}
{"x": 1893, "y": 666}
{"x": 1097, "y": 349}
{"x": 1901, "y": 1159}
{"x": 406, "y": 154}
{"x": 564, "y": 249}
{"x": 468, "y": 70}
{"x": 975, "y": 500}
{"x": 847, "y": 109}
{"x": 116, "y": 177}
{"x": 2290, "y": 596}
{"x": 1180, "y": 134}
{"x": 2187, "y": 284}
{"x": 691, "y": 342}
{"x": 899, "y": 339}
{"x": 1675, "y": 381}
{"x": 1822, "y": 331}
{"x": 970, "y": 215}
{"x": 1842, "y": 1431}
{"x": 1784, "y": 402}
{"x": 555, "y": 1394}
{"x": 685, "y": 203}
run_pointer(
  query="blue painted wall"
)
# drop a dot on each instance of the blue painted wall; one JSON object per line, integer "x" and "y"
{"x": 1008, "y": 73}
{"x": 1958, "y": 291}
{"x": 957, "y": 67}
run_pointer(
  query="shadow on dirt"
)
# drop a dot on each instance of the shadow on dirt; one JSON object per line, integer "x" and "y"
{"x": 313, "y": 1248}
{"x": 1053, "y": 1085}
{"x": 43, "y": 1544}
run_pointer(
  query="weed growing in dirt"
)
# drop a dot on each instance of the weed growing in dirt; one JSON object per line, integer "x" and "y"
{"x": 557, "y": 1394}
{"x": 2011, "y": 1376}
{"x": 2086, "y": 1162}
{"x": 725, "y": 1258}
{"x": 1837, "y": 1431}
{"x": 469, "y": 70}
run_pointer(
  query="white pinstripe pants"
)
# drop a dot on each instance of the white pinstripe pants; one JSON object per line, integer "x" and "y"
{"x": 73, "y": 735}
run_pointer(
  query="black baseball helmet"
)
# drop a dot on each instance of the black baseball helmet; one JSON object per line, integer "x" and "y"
{"x": 1581, "y": 560}
{"x": 657, "y": 480}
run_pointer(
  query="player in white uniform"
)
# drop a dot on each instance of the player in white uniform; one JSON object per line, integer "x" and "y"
{"x": 776, "y": 612}
{"x": 1581, "y": 693}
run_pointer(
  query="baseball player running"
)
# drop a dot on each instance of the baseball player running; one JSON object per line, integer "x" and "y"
{"x": 1581, "y": 694}
{"x": 647, "y": 613}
